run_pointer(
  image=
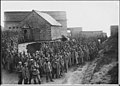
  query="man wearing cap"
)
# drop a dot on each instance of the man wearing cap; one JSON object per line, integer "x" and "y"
{"x": 20, "y": 69}
{"x": 35, "y": 73}
{"x": 30, "y": 63}
{"x": 26, "y": 74}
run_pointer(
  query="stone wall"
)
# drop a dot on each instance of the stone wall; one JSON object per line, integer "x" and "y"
{"x": 39, "y": 27}
{"x": 114, "y": 29}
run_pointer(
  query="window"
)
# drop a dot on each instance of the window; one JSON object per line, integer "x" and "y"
{"x": 17, "y": 27}
{"x": 13, "y": 27}
{"x": 9, "y": 27}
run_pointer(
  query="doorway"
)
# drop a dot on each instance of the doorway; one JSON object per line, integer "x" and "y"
{"x": 25, "y": 35}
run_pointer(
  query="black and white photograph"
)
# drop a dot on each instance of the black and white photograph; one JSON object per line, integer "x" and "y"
{"x": 59, "y": 42}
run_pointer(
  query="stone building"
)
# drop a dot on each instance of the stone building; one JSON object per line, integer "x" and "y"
{"x": 74, "y": 31}
{"x": 91, "y": 34}
{"x": 100, "y": 35}
{"x": 37, "y": 25}
{"x": 114, "y": 29}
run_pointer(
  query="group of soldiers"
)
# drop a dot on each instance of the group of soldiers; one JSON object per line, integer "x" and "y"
{"x": 52, "y": 60}
{"x": 9, "y": 48}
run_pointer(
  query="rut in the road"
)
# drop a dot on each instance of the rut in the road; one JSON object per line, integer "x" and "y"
{"x": 75, "y": 77}
{"x": 88, "y": 73}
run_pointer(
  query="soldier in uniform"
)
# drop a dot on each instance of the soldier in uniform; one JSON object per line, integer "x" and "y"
{"x": 11, "y": 62}
{"x": 35, "y": 74}
{"x": 73, "y": 56}
{"x": 81, "y": 55}
{"x": 20, "y": 75}
{"x": 40, "y": 63}
{"x": 58, "y": 67}
{"x": 54, "y": 68}
{"x": 69, "y": 56}
{"x": 61, "y": 65}
{"x": 85, "y": 52}
{"x": 26, "y": 74}
{"x": 88, "y": 53}
{"x": 66, "y": 61}
{"x": 30, "y": 63}
{"x": 48, "y": 70}
{"x": 76, "y": 57}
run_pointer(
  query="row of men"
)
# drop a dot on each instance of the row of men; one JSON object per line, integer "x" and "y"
{"x": 59, "y": 59}
{"x": 61, "y": 56}
{"x": 38, "y": 65}
{"x": 9, "y": 48}
{"x": 84, "y": 51}
{"x": 31, "y": 70}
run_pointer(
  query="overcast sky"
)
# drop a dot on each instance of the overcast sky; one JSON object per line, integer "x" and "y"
{"x": 90, "y": 15}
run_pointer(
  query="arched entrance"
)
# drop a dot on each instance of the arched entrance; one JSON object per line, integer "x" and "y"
{"x": 27, "y": 33}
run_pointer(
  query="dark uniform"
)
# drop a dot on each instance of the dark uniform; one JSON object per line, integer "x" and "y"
{"x": 48, "y": 70}
{"x": 58, "y": 67}
{"x": 61, "y": 66}
{"x": 26, "y": 74}
{"x": 20, "y": 75}
{"x": 54, "y": 68}
{"x": 76, "y": 57}
{"x": 35, "y": 74}
{"x": 30, "y": 71}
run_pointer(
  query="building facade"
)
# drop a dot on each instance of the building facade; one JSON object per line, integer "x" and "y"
{"x": 37, "y": 25}
{"x": 74, "y": 31}
{"x": 88, "y": 34}
{"x": 59, "y": 16}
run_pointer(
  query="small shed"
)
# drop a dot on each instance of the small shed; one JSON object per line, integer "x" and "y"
{"x": 38, "y": 26}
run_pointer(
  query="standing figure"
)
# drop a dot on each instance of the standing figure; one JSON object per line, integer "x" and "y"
{"x": 48, "y": 70}
{"x": 54, "y": 68}
{"x": 76, "y": 57}
{"x": 61, "y": 65}
{"x": 58, "y": 68}
{"x": 35, "y": 74}
{"x": 66, "y": 62}
{"x": 69, "y": 56}
{"x": 20, "y": 75}
{"x": 26, "y": 74}
{"x": 73, "y": 56}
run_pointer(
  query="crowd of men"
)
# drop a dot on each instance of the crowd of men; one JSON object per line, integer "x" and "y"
{"x": 52, "y": 60}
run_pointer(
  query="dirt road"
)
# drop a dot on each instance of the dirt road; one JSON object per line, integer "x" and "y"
{"x": 73, "y": 76}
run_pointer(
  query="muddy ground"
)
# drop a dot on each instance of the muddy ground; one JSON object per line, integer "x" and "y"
{"x": 73, "y": 76}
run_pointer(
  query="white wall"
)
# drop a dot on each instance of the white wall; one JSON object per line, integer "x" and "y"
{"x": 55, "y": 32}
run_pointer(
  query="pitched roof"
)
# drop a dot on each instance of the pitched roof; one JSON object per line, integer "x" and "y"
{"x": 48, "y": 18}
{"x": 57, "y": 15}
